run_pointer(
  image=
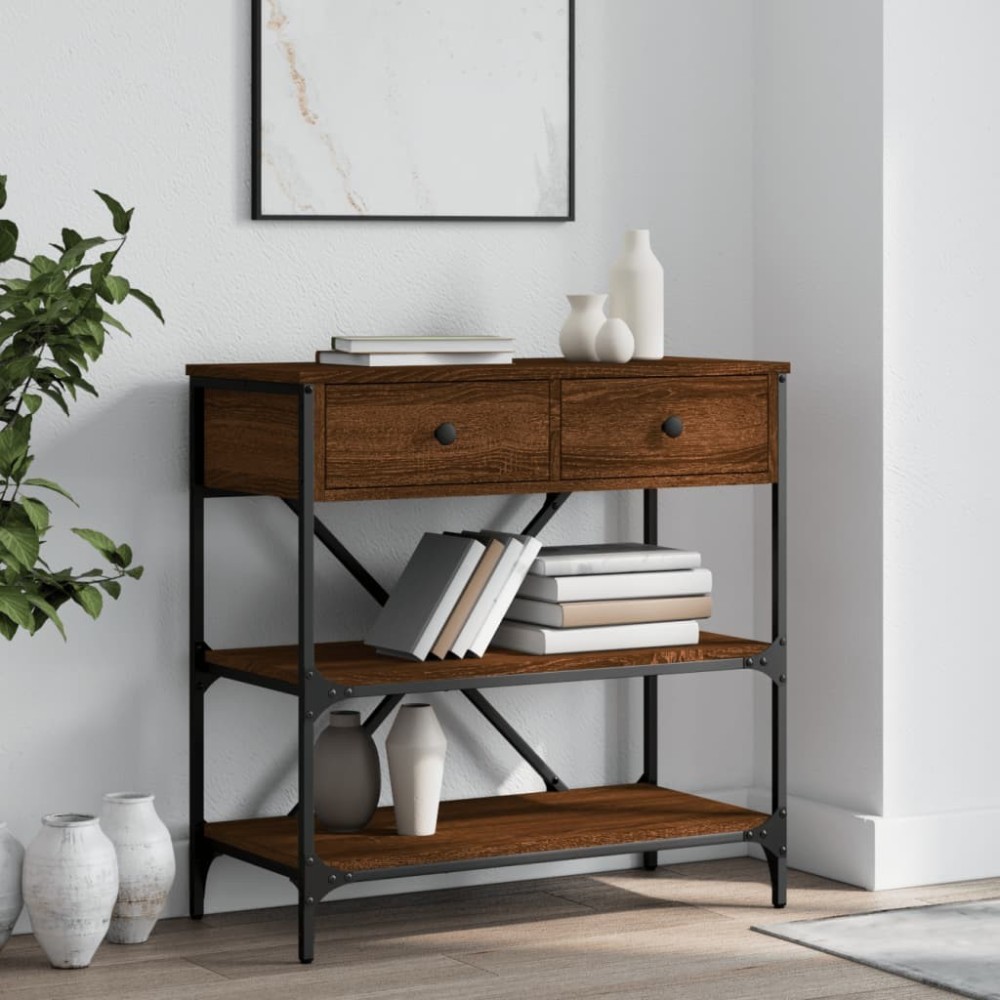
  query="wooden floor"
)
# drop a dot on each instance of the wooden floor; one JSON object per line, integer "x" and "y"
{"x": 681, "y": 932}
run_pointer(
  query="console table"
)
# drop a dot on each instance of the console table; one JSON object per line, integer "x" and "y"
{"x": 308, "y": 433}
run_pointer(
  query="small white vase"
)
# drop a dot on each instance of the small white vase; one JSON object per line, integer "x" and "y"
{"x": 348, "y": 779}
{"x": 70, "y": 885}
{"x": 578, "y": 333}
{"x": 416, "y": 748}
{"x": 615, "y": 342}
{"x": 11, "y": 901}
{"x": 637, "y": 293}
{"x": 146, "y": 864}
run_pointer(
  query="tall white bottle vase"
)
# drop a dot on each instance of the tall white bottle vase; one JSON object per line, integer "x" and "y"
{"x": 579, "y": 332}
{"x": 146, "y": 864}
{"x": 70, "y": 886}
{"x": 11, "y": 901}
{"x": 637, "y": 293}
{"x": 416, "y": 748}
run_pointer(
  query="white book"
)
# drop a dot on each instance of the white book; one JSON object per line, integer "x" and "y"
{"x": 488, "y": 598}
{"x": 586, "y": 614}
{"x": 617, "y": 586}
{"x": 508, "y": 591}
{"x": 436, "y": 358}
{"x": 621, "y": 557}
{"x": 538, "y": 639}
{"x": 424, "y": 595}
{"x": 422, "y": 345}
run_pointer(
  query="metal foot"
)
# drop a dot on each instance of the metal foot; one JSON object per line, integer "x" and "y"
{"x": 307, "y": 927}
{"x": 777, "y": 865}
{"x": 650, "y": 860}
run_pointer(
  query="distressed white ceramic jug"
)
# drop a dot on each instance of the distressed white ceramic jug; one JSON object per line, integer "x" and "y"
{"x": 11, "y": 862}
{"x": 70, "y": 885}
{"x": 146, "y": 864}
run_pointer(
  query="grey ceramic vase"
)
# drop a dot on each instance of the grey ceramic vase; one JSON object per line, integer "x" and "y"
{"x": 348, "y": 778}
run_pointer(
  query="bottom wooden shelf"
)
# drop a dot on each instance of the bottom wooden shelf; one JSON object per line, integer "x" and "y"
{"x": 503, "y": 826}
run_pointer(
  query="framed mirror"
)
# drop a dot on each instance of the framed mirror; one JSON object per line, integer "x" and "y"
{"x": 413, "y": 109}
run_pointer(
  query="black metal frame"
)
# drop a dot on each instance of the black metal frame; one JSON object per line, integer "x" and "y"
{"x": 315, "y": 696}
{"x": 256, "y": 147}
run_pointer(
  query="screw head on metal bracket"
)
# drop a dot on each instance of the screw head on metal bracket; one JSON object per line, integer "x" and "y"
{"x": 763, "y": 661}
{"x": 782, "y": 849}
{"x": 309, "y": 899}
{"x": 748, "y": 662}
{"x": 782, "y": 641}
{"x": 349, "y": 692}
{"x": 749, "y": 834}
{"x": 763, "y": 832}
{"x": 348, "y": 877}
{"x": 781, "y": 378}
{"x": 332, "y": 878}
{"x": 332, "y": 693}
{"x": 781, "y": 678}
{"x": 310, "y": 715}
{"x": 310, "y": 674}
{"x": 310, "y": 861}
{"x": 782, "y": 813}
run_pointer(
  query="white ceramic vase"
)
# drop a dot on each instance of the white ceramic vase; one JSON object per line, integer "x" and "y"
{"x": 416, "y": 747}
{"x": 637, "y": 293}
{"x": 70, "y": 885}
{"x": 11, "y": 901}
{"x": 146, "y": 864}
{"x": 615, "y": 342}
{"x": 348, "y": 778}
{"x": 578, "y": 333}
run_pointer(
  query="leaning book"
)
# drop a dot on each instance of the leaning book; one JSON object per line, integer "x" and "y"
{"x": 538, "y": 639}
{"x": 425, "y": 595}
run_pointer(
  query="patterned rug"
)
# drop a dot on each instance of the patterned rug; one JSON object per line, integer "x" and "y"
{"x": 952, "y": 945}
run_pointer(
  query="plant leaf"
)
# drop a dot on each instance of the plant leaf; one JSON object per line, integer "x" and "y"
{"x": 148, "y": 302}
{"x": 37, "y": 513}
{"x": 32, "y": 402}
{"x": 16, "y": 607}
{"x": 89, "y": 598}
{"x": 111, "y": 587}
{"x": 124, "y": 553}
{"x": 119, "y": 216}
{"x": 117, "y": 287}
{"x": 3, "y": 190}
{"x": 48, "y": 610}
{"x": 135, "y": 572}
{"x": 21, "y": 543}
{"x": 101, "y": 542}
{"x": 7, "y": 628}
{"x": 47, "y": 484}
{"x": 8, "y": 240}
{"x": 70, "y": 238}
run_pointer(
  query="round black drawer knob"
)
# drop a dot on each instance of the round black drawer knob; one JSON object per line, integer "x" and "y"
{"x": 673, "y": 427}
{"x": 446, "y": 434}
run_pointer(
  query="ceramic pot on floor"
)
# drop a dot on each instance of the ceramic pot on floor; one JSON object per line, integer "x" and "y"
{"x": 11, "y": 901}
{"x": 146, "y": 864}
{"x": 416, "y": 747}
{"x": 348, "y": 778}
{"x": 70, "y": 887}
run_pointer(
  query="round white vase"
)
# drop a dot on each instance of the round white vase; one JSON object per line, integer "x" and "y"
{"x": 70, "y": 885}
{"x": 348, "y": 779}
{"x": 637, "y": 293}
{"x": 615, "y": 342}
{"x": 578, "y": 333}
{"x": 11, "y": 901}
{"x": 146, "y": 864}
{"x": 416, "y": 748}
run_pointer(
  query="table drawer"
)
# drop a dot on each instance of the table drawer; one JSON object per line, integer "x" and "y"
{"x": 385, "y": 435}
{"x": 620, "y": 428}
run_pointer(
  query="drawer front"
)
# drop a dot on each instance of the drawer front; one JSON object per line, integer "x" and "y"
{"x": 384, "y": 435}
{"x": 614, "y": 428}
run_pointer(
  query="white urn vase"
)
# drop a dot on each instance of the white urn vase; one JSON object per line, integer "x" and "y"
{"x": 615, "y": 342}
{"x": 11, "y": 862}
{"x": 70, "y": 886}
{"x": 579, "y": 332}
{"x": 416, "y": 748}
{"x": 637, "y": 293}
{"x": 146, "y": 864}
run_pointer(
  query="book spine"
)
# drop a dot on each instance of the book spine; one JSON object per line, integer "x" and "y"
{"x": 618, "y": 586}
{"x": 623, "y": 562}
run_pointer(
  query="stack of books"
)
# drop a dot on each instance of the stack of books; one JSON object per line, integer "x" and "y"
{"x": 577, "y": 598}
{"x": 376, "y": 351}
{"x": 453, "y": 594}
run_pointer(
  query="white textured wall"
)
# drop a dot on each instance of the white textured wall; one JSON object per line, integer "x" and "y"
{"x": 151, "y": 103}
{"x": 942, "y": 353}
{"x": 818, "y": 304}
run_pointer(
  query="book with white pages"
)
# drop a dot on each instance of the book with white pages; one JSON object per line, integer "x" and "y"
{"x": 427, "y": 358}
{"x": 586, "y": 614}
{"x": 539, "y": 640}
{"x": 417, "y": 344}
{"x": 425, "y": 595}
{"x": 618, "y": 586}
{"x": 611, "y": 557}
{"x": 468, "y": 598}
{"x": 507, "y": 593}
{"x": 488, "y": 598}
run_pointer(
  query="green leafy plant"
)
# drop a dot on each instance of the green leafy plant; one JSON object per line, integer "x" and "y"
{"x": 53, "y": 325}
